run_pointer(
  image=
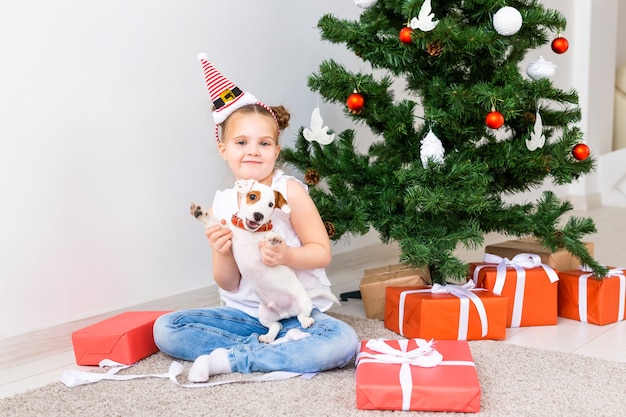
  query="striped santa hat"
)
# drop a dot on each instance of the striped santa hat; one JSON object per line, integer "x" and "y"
{"x": 225, "y": 95}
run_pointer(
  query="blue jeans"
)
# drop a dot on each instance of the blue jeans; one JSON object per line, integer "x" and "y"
{"x": 188, "y": 334}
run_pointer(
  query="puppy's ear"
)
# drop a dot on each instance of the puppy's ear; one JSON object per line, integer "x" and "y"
{"x": 281, "y": 202}
{"x": 243, "y": 186}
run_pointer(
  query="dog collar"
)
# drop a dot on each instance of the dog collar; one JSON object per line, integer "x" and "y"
{"x": 239, "y": 223}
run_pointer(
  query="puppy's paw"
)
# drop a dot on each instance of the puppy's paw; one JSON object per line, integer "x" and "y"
{"x": 306, "y": 321}
{"x": 197, "y": 211}
{"x": 274, "y": 239}
{"x": 203, "y": 216}
{"x": 273, "y": 328}
{"x": 291, "y": 335}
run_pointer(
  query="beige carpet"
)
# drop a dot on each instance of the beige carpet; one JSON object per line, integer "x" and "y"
{"x": 515, "y": 381}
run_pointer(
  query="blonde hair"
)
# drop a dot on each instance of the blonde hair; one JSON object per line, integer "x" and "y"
{"x": 279, "y": 113}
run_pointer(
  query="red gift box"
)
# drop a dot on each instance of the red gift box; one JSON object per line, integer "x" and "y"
{"x": 530, "y": 286}
{"x": 125, "y": 338}
{"x": 417, "y": 375}
{"x": 446, "y": 312}
{"x": 584, "y": 298}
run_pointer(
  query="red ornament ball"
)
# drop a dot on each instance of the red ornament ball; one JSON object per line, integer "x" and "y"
{"x": 560, "y": 45}
{"x": 405, "y": 34}
{"x": 355, "y": 102}
{"x": 494, "y": 119}
{"x": 580, "y": 151}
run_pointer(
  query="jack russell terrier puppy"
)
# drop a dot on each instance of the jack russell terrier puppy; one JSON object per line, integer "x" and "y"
{"x": 282, "y": 295}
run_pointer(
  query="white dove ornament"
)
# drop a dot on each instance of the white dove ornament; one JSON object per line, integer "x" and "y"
{"x": 318, "y": 132}
{"x": 424, "y": 20}
{"x": 537, "y": 139}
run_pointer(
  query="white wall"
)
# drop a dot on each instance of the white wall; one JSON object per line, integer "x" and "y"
{"x": 588, "y": 67}
{"x": 621, "y": 34}
{"x": 589, "y": 64}
{"x": 106, "y": 138}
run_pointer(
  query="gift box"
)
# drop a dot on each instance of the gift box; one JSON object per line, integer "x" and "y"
{"x": 446, "y": 312}
{"x": 530, "y": 286}
{"x": 561, "y": 259}
{"x": 375, "y": 281}
{"x": 585, "y": 298}
{"x": 417, "y": 375}
{"x": 125, "y": 338}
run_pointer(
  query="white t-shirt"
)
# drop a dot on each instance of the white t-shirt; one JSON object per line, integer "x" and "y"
{"x": 225, "y": 204}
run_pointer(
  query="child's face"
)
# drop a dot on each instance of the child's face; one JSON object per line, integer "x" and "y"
{"x": 250, "y": 146}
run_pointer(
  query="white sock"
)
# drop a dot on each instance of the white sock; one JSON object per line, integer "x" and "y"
{"x": 213, "y": 364}
{"x": 199, "y": 371}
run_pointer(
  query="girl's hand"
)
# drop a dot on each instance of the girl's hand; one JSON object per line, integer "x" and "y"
{"x": 220, "y": 238}
{"x": 273, "y": 254}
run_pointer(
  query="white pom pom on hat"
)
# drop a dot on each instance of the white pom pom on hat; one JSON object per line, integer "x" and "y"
{"x": 225, "y": 95}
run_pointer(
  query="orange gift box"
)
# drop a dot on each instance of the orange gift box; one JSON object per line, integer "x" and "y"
{"x": 584, "y": 298}
{"x": 125, "y": 338}
{"x": 532, "y": 292}
{"x": 382, "y": 384}
{"x": 418, "y": 312}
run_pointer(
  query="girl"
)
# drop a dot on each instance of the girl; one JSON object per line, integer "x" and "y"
{"x": 225, "y": 339}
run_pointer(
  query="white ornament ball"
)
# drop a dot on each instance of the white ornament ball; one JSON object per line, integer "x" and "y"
{"x": 365, "y": 4}
{"x": 507, "y": 21}
{"x": 540, "y": 69}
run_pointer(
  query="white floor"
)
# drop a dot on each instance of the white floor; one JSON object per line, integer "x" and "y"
{"x": 38, "y": 358}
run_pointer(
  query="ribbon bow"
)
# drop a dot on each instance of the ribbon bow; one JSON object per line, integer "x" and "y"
{"x": 519, "y": 263}
{"x": 425, "y": 356}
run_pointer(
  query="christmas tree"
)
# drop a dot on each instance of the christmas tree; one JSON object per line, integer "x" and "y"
{"x": 475, "y": 129}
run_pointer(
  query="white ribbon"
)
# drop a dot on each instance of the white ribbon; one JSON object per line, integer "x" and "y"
{"x": 72, "y": 378}
{"x": 582, "y": 292}
{"x": 520, "y": 262}
{"x": 465, "y": 295}
{"x": 425, "y": 356}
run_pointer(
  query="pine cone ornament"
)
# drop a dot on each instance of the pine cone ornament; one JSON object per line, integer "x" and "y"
{"x": 559, "y": 237}
{"x": 312, "y": 177}
{"x": 547, "y": 163}
{"x": 530, "y": 116}
{"x": 434, "y": 48}
{"x": 330, "y": 229}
